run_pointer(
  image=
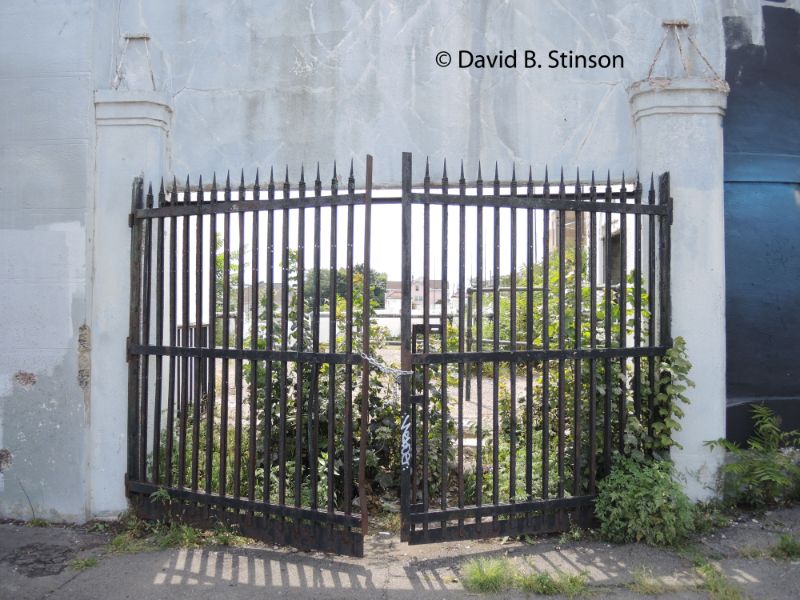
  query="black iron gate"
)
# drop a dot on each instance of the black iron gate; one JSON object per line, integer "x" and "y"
{"x": 242, "y": 424}
{"x": 566, "y": 334}
{"x": 530, "y": 351}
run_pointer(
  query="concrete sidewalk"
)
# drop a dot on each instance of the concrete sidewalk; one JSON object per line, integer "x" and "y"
{"x": 39, "y": 562}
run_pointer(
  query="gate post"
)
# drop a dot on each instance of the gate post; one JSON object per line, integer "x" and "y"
{"x": 132, "y": 140}
{"x": 405, "y": 352}
{"x": 679, "y": 130}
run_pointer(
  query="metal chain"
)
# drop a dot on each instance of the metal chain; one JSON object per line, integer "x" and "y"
{"x": 396, "y": 373}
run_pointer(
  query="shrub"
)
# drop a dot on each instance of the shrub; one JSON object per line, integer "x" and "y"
{"x": 762, "y": 474}
{"x": 641, "y": 502}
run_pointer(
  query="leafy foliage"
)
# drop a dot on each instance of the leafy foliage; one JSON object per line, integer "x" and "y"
{"x": 764, "y": 473}
{"x": 641, "y": 502}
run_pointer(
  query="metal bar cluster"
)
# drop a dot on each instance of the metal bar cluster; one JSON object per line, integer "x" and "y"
{"x": 238, "y": 406}
{"x": 559, "y": 314}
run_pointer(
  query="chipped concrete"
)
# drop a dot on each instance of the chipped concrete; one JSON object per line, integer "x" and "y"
{"x": 25, "y": 379}
{"x": 84, "y": 356}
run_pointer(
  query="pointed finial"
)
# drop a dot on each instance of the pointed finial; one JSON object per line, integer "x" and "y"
{"x": 228, "y": 180}
{"x": 200, "y": 185}
{"x": 318, "y": 179}
{"x": 150, "y": 195}
{"x": 302, "y": 174}
{"x": 513, "y": 173}
{"x": 351, "y": 177}
{"x": 444, "y": 169}
{"x": 462, "y": 170}
{"x": 286, "y": 179}
{"x": 271, "y": 177}
{"x": 214, "y": 181}
{"x": 496, "y": 178}
{"x": 546, "y": 177}
{"x": 427, "y": 169}
{"x": 334, "y": 171}
{"x": 257, "y": 171}
{"x": 241, "y": 181}
{"x": 530, "y": 173}
{"x": 479, "y": 171}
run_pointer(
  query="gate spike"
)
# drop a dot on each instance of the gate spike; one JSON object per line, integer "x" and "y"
{"x": 256, "y": 183}
{"x": 302, "y": 174}
{"x": 496, "y": 179}
{"x": 514, "y": 173}
{"x": 150, "y": 195}
{"x": 444, "y": 170}
{"x": 162, "y": 200}
{"x": 241, "y": 182}
{"x": 427, "y": 170}
{"x": 214, "y": 187}
{"x": 174, "y": 193}
{"x": 286, "y": 179}
{"x": 461, "y": 178}
{"x": 479, "y": 172}
{"x": 187, "y": 193}
{"x": 271, "y": 178}
{"x": 546, "y": 181}
{"x": 228, "y": 186}
{"x": 593, "y": 184}
{"x": 317, "y": 183}
{"x": 318, "y": 180}
{"x": 200, "y": 189}
{"x": 351, "y": 171}
{"x": 351, "y": 180}
{"x": 530, "y": 180}
{"x": 578, "y": 187}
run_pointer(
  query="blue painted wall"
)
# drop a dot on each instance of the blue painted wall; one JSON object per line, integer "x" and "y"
{"x": 762, "y": 218}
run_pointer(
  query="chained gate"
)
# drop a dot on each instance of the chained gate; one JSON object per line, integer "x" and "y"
{"x": 522, "y": 364}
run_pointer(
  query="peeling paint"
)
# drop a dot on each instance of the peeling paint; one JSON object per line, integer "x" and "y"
{"x": 84, "y": 356}
{"x": 25, "y": 379}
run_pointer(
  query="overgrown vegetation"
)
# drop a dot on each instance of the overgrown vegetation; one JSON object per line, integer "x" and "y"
{"x": 490, "y": 575}
{"x": 81, "y": 564}
{"x": 766, "y": 472}
{"x": 645, "y": 583}
{"x": 552, "y": 584}
{"x": 641, "y": 502}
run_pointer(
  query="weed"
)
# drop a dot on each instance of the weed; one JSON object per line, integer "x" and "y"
{"x": 223, "y": 535}
{"x": 717, "y": 585}
{"x": 81, "y": 564}
{"x": 558, "y": 584}
{"x": 709, "y": 516}
{"x": 644, "y": 583}
{"x": 161, "y": 496}
{"x": 37, "y": 522}
{"x": 788, "y": 548}
{"x": 178, "y": 535}
{"x": 127, "y": 542}
{"x": 97, "y": 527}
{"x": 487, "y": 575}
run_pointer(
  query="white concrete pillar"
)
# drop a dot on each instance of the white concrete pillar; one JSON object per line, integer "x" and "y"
{"x": 132, "y": 140}
{"x": 679, "y": 129}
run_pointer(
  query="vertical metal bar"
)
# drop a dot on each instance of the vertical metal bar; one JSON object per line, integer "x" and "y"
{"x": 531, "y": 243}
{"x": 665, "y": 244}
{"x": 463, "y": 367}
{"x": 237, "y": 432}
{"x": 623, "y": 320}
{"x": 366, "y": 308}
{"x": 198, "y": 339}
{"x": 348, "y": 343}
{"x": 444, "y": 367}
{"x": 134, "y": 331}
{"x": 607, "y": 325}
{"x": 313, "y": 402}
{"x": 546, "y": 340}
{"x": 159, "y": 340}
{"x": 226, "y": 339}
{"x": 479, "y": 345}
{"x": 578, "y": 377}
{"x": 426, "y": 287}
{"x": 651, "y": 305}
{"x": 562, "y": 340}
{"x": 512, "y": 486}
{"x": 592, "y": 338}
{"x": 332, "y": 341}
{"x": 185, "y": 393}
{"x": 212, "y": 338}
{"x": 254, "y": 306}
{"x": 284, "y": 346}
{"x": 300, "y": 343}
{"x": 637, "y": 302}
{"x": 145, "y": 336}
{"x": 405, "y": 350}
{"x": 173, "y": 331}
{"x": 270, "y": 333}
{"x": 496, "y": 346}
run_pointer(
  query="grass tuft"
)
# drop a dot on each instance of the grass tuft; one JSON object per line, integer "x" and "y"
{"x": 645, "y": 584}
{"x": 558, "y": 584}
{"x": 487, "y": 575}
{"x": 717, "y": 585}
{"x": 37, "y": 522}
{"x": 81, "y": 564}
{"x": 787, "y": 548}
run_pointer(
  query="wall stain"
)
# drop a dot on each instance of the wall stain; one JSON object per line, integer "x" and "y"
{"x": 84, "y": 356}
{"x": 25, "y": 380}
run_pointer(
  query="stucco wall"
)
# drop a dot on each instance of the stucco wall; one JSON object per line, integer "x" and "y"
{"x": 46, "y": 153}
